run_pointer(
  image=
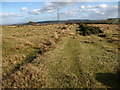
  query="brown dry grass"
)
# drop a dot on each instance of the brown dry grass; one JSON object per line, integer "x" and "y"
{"x": 69, "y": 60}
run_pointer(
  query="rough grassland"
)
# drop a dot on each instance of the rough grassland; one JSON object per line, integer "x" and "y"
{"x": 52, "y": 57}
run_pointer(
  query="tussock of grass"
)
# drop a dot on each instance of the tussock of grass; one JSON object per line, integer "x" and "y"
{"x": 88, "y": 30}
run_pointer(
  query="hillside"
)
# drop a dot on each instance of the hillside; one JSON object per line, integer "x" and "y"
{"x": 87, "y": 21}
{"x": 57, "y": 56}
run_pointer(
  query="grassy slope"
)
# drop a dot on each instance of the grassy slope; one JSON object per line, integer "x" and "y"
{"x": 18, "y": 43}
{"x": 77, "y": 64}
{"x": 77, "y": 61}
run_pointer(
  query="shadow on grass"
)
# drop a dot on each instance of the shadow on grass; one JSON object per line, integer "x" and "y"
{"x": 109, "y": 79}
{"x": 31, "y": 57}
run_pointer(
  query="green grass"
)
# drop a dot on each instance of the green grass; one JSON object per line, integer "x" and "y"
{"x": 74, "y": 62}
{"x": 88, "y": 30}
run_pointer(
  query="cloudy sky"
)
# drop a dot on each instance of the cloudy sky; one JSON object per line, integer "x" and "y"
{"x": 22, "y": 12}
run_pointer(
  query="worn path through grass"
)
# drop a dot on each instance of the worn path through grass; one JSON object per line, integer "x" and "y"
{"x": 63, "y": 66}
{"x": 78, "y": 62}
{"x": 75, "y": 62}
{"x": 66, "y": 71}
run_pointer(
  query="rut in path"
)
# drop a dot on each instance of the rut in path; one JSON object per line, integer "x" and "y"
{"x": 65, "y": 69}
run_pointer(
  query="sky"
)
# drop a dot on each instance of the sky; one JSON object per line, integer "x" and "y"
{"x": 23, "y": 12}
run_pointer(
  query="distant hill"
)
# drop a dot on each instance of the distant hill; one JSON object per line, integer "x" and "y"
{"x": 102, "y": 21}
{"x": 66, "y": 21}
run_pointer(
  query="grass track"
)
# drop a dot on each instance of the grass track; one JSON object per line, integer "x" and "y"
{"x": 76, "y": 62}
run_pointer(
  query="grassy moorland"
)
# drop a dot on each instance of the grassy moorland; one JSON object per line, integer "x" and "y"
{"x": 57, "y": 56}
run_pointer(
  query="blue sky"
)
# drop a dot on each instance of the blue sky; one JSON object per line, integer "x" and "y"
{"x": 23, "y": 12}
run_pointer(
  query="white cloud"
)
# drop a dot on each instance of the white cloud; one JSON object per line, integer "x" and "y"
{"x": 95, "y": 6}
{"x": 90, "y": 6}
{"x": 71, "y": 11}
{"x": 55, "y": 5}
{"x": 82, "y": 6}
{"x": 103, "y": 6}
{"x": 115, "y": 6}
{"x": 91, "y": 10}
{"x": 35, "y": 12}
{"x": 24, "y": 9}
{"x": 100, "y": 11}
{"x": 10, "y": 15}
{"x": 50, "y": 7}
{"x": 11, "y": 18}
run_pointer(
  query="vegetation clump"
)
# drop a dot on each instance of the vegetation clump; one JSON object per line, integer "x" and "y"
{"x": 31, "y": 23}
{"x": 88, "y": 30}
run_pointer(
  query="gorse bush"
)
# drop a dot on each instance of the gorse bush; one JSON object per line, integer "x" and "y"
{"x": 88, "y": 30}
{"x": 31, "y": 23}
